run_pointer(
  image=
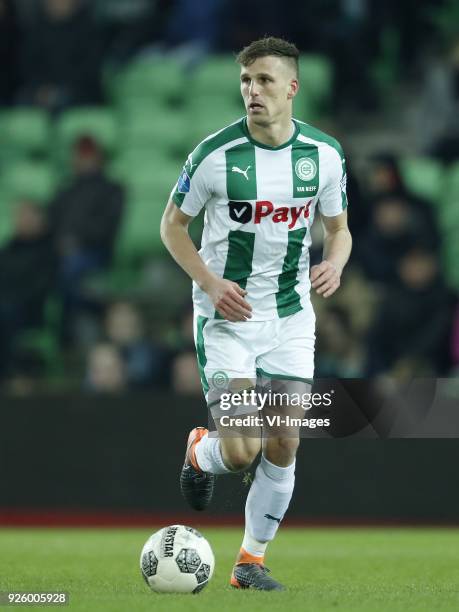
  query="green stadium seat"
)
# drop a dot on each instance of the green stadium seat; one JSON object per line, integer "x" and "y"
{"x": 305, "y": 109}
{"x": 316, "y": 78}
{"x": 316, "y": 85}
{"x": 6, "y": 225}
{"x": 139, "y": 235}
{"x": 148, "y": 192}
{"x": 24, "y": 132}
{"x": 34, "y": 180}
{"x": 452, "y": 181}
{"x": 139, "y": 160}
{"x": 45, "y": 340}
{"x": 167, "y": 130}
{"x": 217, "y": 74}
{"x": 150, "y": 79}
{"x": 206, "y": 115}
{"x": 99, "y": 122}
{"x": 423, "y": 177}
{"x": 450, "y": 259}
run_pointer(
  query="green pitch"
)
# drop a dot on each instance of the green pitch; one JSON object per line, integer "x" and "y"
{"x": 324, "y": 569}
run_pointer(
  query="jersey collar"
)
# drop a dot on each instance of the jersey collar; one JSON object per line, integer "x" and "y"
{"x": 296, "y": 131}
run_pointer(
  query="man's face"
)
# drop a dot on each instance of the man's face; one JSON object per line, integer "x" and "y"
{"x": 267, "y": 87}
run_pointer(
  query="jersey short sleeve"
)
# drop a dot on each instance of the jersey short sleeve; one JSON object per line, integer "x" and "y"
{"x": 192, "y": 189}
{"x": 333, "y": 198}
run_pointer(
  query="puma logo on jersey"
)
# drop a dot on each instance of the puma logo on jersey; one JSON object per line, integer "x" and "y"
{"x": 239, "y": 171}
{"x": 242, "y": 212}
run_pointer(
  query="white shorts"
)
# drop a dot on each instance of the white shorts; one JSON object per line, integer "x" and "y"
{"x": 278, "y": 349}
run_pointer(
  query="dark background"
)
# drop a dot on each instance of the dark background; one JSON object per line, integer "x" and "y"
{"x": 117, "y": 460}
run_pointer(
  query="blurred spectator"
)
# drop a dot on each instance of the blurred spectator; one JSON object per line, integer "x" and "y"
{"x": 26, "y": 376}
{"x": 145, "y": 363}
{"x": 195, "y": 25}
{"x": 131, "y": 25}
{"x": 185, "y": 374}
{"x": 438, "y": 126}
{"x": 410, "y": 335}
{"x": 455, "y": 339}
{"x": 360, "y": 217}
{"x": 385, "y": 178}
{"x": 85, "y": 218}
{"x": 61, "y": 57}
{"x": 27, "y": 276}
{"x": 339, "y": 352}
{"x": 383, "y": 175}
{"x": 9, "y": 43}
{"x": 394, "y": 222}
{"x": 106, "y": 372}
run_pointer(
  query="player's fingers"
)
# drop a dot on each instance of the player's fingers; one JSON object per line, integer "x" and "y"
{"x": 240, "y": 300}
{"x": 233, "y": 312}
{"x": 315, "y": 273}
{"x": 325, "y": 287}
{"x": 331, "y": 290}
{"x": 317, "y": 270}
{"x": 323, "y": 278}
{"x": 235, "y": 308}
{"x": 239, "y": 289}
{"x": 225, "y": 314}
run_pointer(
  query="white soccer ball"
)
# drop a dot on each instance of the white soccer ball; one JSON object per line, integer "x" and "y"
{"x": 177, "y": 559}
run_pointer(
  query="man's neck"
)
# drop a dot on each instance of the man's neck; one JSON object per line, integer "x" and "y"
{"x": 274, "y": 134}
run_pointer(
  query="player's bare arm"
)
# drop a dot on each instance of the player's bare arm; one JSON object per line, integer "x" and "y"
{"x": 226, "y": 296}
{"x": 326, "y": 277}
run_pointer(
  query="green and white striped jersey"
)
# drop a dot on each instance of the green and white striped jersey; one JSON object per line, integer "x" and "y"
{"x": 259, "y": 207}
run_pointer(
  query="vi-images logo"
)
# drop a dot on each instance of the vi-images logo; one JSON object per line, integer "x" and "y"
{"x": 242, "y": 212}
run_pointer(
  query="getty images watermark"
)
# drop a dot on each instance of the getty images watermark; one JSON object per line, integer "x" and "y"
{"x": 383, "y": 407}
{"x": 275, "y": 407}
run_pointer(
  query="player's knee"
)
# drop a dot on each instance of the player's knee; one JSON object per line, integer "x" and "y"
{"x": 282, "y": 450}
{"x": 289, "y": 445}
{"x": 237, "y": 459}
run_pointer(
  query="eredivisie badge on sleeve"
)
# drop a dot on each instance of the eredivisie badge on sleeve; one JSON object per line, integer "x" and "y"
{"x": 183, "y": 185}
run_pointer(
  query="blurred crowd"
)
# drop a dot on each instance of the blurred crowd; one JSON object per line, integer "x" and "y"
{"x": 395, "y": 314}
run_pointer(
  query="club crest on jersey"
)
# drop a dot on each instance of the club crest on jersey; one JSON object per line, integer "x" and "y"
{"x": 183, "y": 185}
{"x": 306, "y": 168}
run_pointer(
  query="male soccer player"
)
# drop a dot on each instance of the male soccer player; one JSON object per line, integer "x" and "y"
{"x": 260, "y": 180}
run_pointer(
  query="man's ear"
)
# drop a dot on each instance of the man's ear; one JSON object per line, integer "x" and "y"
{"x": 293, "y": 90}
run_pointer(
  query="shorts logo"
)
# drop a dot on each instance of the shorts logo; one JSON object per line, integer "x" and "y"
{"x": 305, "y": 168}
{"x": 220, "y": 379}
{"x": 241, "y": 212}
{"x": 183, "y": 185}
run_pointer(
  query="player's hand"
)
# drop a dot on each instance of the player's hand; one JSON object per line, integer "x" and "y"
{"x": 325, "y": 278}
{"x": 228, "y": 299}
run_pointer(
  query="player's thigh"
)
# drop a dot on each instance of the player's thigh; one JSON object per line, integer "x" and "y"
{"x": 226, "y": 359}
{"x": 293, "y": 356}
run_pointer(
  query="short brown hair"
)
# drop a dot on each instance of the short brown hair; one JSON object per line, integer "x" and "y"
{"x": 269, "y": 45}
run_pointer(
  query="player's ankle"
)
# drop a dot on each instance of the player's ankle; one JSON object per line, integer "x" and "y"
{"x": 252, "y": 546}
{"x": 246, "y": 557}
